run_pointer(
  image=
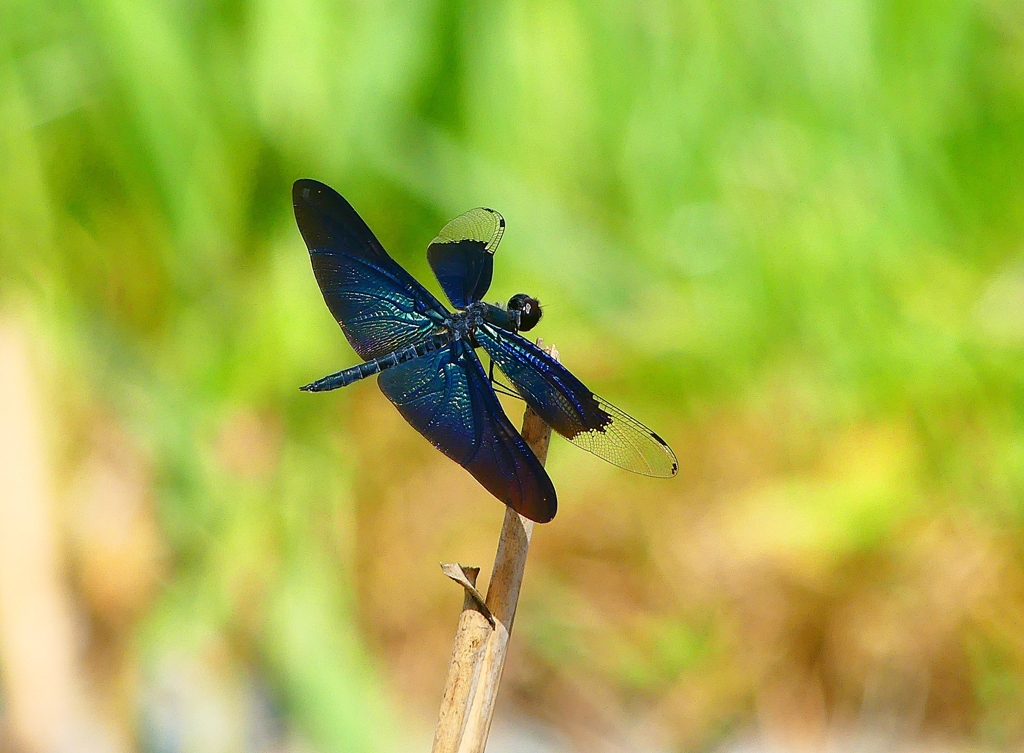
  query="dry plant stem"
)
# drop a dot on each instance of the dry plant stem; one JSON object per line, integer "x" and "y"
{"x": 478, "y": 655}
{"x": 470, "y": 639}
{"x": 502, "y": 597}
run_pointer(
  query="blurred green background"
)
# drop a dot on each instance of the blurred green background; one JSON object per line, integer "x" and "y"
{"x": 786, "y": 234}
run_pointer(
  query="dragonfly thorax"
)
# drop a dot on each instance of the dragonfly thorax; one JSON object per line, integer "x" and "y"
{"x": 465, "y": 322}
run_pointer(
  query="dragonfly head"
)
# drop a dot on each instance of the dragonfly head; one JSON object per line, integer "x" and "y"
{"x": 526, "y": 310}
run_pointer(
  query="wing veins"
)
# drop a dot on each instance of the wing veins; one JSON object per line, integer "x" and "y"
{"x": 585, "y": 419}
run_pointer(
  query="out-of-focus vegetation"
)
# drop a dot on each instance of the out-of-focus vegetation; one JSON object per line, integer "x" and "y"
{"x": 787, "y": 234}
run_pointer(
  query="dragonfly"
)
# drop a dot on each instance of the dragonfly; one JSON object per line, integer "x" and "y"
{"x": 425, "y": 355}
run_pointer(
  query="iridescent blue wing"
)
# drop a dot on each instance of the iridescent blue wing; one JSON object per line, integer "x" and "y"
{"x": 379, "y": 305}
{"x": 568, "y": 407}
{"x": 462, "y": 255}
{"x": 447, "y": 398}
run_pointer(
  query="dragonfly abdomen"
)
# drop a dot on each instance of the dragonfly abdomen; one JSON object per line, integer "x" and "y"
{"x": 352, "y": 374}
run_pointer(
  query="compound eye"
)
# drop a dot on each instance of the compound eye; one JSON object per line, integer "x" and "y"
{"x": 528, "y": 308}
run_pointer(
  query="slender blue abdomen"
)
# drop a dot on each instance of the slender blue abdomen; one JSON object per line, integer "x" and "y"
{"x": 345, "y": 377}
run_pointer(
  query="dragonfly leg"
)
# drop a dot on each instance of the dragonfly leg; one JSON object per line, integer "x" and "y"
{"x": 497, "y": 386}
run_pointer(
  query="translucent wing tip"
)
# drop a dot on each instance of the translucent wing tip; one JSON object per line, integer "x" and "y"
{"x": 497, "y": 216}
{"x": 480, "y": 224}
{"x": 673, "y": 463}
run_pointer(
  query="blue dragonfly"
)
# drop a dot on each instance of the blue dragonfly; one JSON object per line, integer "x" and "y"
{"x": 426, "y": 358}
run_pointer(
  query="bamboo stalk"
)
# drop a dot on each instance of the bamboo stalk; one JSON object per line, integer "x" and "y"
{"x": 478, "y": 655}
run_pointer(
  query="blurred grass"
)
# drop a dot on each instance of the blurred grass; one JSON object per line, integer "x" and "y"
{"x": 786, "y": 234}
